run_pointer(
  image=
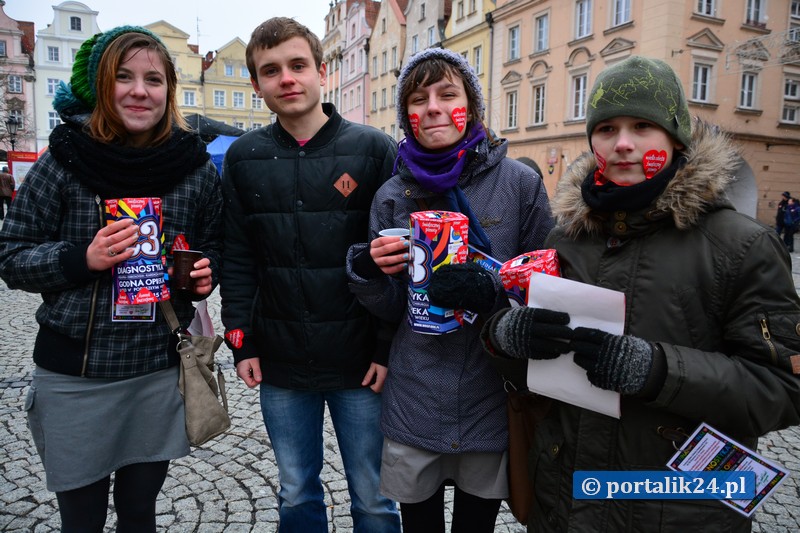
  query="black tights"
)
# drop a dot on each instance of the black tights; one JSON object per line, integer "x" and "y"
{"x": 136, "y": 488}
{"x": 471, "y": 514}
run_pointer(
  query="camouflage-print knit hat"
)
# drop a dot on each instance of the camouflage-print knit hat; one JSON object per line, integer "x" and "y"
{"x": 460, "y": 64}
{"x": 644, "y": 88}
{"x": 82, "y": 89}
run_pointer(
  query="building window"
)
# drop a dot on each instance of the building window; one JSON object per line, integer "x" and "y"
{"x": 243, "y": 72}
{"x": 794, "y": 23}
{"x": 219, "y": 98}
{"x": 542, "y": 33}
{"x": 75, "y": 23}
{"x": 256, "y": 125}
{"x": 422, "y": 11}
{"x": 583, "y": 18}
{"x": 255, "y": 101}
{"x": 3, "y": 49}
{"x": 74, "y": 53}
{"x": 795, "y": 9}
{"x": 791, "y": 101}
{"x": 52, "y": 53}
{"x": 431, "y": 37}
{"x": 393, "y": 96}
{"x": 513, "y": 43}
{"x": 393, "y": 131}
{"x": 384, "y": 62}
{"x": 53, "y": 119}
{"x": 344, "y": 102}
{"x": 472, "y": 6}
{"x": 394, "y": 57}
{"x": 701, "y": 83}
{"x": 52, "y": 86}
{"x": 414, "y": 45}
{"x": 538, "y": 104}
{"x": 460, "y": 10}
{"x": 189, "y": 99}
{"x": 754, "y": 14}
{"x": 374, "y": 66}
{"x": 383, "y": 98}
{"x": 383, "y": 25}
{"x": 353, "y": 31}
{"x": 237, "y": 124}
{"x": 19, "y": 117}
{"x": 747, "y": 91}
{"x": 707, "y": 7}
{"x": 14, "y": 83}
{"x": 228, "y": 70}
{"x": 352, "y": 63}
{"x": 477, "y": 59}
{"x": 238, "y": 99}
{"x": 578, "y": 97}
{"x": 374, "y": 102}
{"x": 621, "y": 12}
{"x": 511, "y": 110}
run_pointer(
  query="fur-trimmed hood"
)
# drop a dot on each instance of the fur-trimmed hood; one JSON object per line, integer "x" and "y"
{"x": 698, "y": 187}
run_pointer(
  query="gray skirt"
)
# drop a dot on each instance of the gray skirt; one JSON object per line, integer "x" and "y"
{"x": 85, "y": 429}
{"x": 412, "y": 475}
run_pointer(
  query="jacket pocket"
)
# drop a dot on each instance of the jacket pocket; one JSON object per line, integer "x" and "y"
{"x": 34, "y": 421}
{"x": 780, "y": 335}
{"x": 544, "y": 468}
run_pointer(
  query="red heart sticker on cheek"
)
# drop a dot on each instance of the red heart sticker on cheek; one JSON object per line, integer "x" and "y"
{"x": 601, "y": 162}
{"x": 460, "y": 118}
{"x": 653, "y": 161}
{"x": 414, "y": 120}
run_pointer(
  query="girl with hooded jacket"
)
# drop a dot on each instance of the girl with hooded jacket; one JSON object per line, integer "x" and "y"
{"x": 444, "y": 407}
{"x": 711, "y": 319}
{"x": 104, "y": 395}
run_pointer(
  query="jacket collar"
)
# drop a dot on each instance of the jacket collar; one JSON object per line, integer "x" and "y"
{"x": 697, "y": 188}
{"x": 325, "y": 135}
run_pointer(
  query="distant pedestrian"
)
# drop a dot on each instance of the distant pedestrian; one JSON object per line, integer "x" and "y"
{"x": 779, "y": 215}
{"x": 6, "y": 191}
{"x": 791, "y": 223}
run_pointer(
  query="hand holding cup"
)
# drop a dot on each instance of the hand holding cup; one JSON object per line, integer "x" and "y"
{"x": 390, "y": 250}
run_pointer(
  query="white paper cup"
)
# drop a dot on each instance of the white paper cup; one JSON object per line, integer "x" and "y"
{"x": 394, "y": 232}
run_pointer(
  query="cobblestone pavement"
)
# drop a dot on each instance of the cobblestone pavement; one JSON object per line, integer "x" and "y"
{"x": 230, "y": 485}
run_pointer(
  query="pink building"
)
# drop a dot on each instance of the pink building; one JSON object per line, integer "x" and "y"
{"x": 16, "y": 83}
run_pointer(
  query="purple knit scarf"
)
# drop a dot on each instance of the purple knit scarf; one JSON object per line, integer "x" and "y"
{"x": 438, "y": 171}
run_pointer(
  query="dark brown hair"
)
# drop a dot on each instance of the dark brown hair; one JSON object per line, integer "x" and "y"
{"x": 275, "y": 31}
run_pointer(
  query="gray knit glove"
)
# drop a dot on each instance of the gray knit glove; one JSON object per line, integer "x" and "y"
{"x": 527, "y": 333}
{"x": 620, "y": 363}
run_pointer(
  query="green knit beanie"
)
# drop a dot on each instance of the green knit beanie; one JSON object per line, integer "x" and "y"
{"x": 644, "y": 88}
{"x": 84, "y": 71}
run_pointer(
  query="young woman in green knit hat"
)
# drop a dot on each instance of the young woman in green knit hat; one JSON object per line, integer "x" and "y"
{"x": 104, "y": 399}
{"x": 711, "y": 319}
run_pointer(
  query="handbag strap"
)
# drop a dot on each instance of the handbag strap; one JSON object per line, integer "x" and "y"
{"x": 170, "y": 316}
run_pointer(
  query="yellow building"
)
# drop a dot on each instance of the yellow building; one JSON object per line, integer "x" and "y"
{"x": 386, "y": 50}
{"x": 739, "y": 61}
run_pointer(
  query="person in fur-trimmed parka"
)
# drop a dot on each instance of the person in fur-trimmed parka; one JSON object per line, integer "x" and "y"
{"x": 711, "y": 320}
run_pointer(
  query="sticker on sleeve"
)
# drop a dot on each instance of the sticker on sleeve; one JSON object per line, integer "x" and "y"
{"x": 235, "y": 337}
{"x": 413, "y": 119}
{"x": 653, "y": 161}
{"x": 459, "y": 116}
{"x": 180, "y": 243}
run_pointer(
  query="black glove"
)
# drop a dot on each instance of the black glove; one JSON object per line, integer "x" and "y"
{"x": 527, "y": 333}
{"x": 620, "y": 363}
{"x": 463, "y": 286}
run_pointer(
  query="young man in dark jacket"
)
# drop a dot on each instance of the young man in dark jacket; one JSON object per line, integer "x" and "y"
{"x": 297, "y": 195}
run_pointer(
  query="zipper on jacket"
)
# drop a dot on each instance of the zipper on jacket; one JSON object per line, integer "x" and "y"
{"x": 93, "y": 302}
{"x": 768, "y": 339}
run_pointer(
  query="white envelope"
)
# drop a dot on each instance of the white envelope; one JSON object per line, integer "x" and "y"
{"x": 588, "y": 306}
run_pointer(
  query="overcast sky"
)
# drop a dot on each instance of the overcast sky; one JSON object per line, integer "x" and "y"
{"x": 220, "y": 21}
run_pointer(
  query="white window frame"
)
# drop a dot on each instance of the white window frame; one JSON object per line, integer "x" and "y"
{"x": 53, "y": 120}
{"x": 52, "y": 86}
{"x": 541, "y": 32}
{"x": 754, "y": 12}
{"x": 460, "y": 10}
{"x": 393, "y": 96}
{"x": 255, "y": 101}
{"x": 538, "y": 103}
{"x": 583, "y": 18}
{"x": 374, "y": 102}
{"x": 513, "y": 43}
{"x": 790, "y": 112}
{"x": 219, "y": 98}
{"x": 374, "y": 66}
{"x": 237, "y": 124}
{"x": 706, "y": 7}
{"x": 53, "y": 54}
{"x": 579, "y": 88}
{"x": 477, "y": 59}
{"x": 702, "y": 74}
{"x": 19, "y": 116}
{"x": 620, "y": 12}
{"x": 189, "y": 98}
{"x": 75, "y": 24}
{"x": 3, "y": 48}
{"x": 512, "y": 109}
{"x": 794, "y": 9}
{"x": 414, "y": 44}
{"x": 431, "y": 36}
{"x": 358, "y": 99}
{"x": 383, "y": 98}
{"x": 748, "y": 85}
{"x": 394, "y": 57}
{"x": 384, "y": 62}
{"x": 15, "y": 83}
{"x": 238, "y": 99}
{"x": 243, "y": 72}
{"x": 228, "y": 70}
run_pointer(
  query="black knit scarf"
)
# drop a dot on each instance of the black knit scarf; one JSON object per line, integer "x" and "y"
{"x": 116, "y": 171}
{"x": 612, "y": 197}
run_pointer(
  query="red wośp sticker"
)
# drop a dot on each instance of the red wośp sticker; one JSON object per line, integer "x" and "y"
{"x": 653, "y": 161}
{"x": 414, "y": 120}
{"x": 459, "y": 116}
{"x": 235, "y": 337}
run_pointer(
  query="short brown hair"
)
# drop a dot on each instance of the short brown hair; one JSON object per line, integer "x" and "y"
{"x": 275, "y": 31}
{"x": 106, "y": 125}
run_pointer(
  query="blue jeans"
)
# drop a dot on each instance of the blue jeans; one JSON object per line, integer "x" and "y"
{"x": 294, "y": 424}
